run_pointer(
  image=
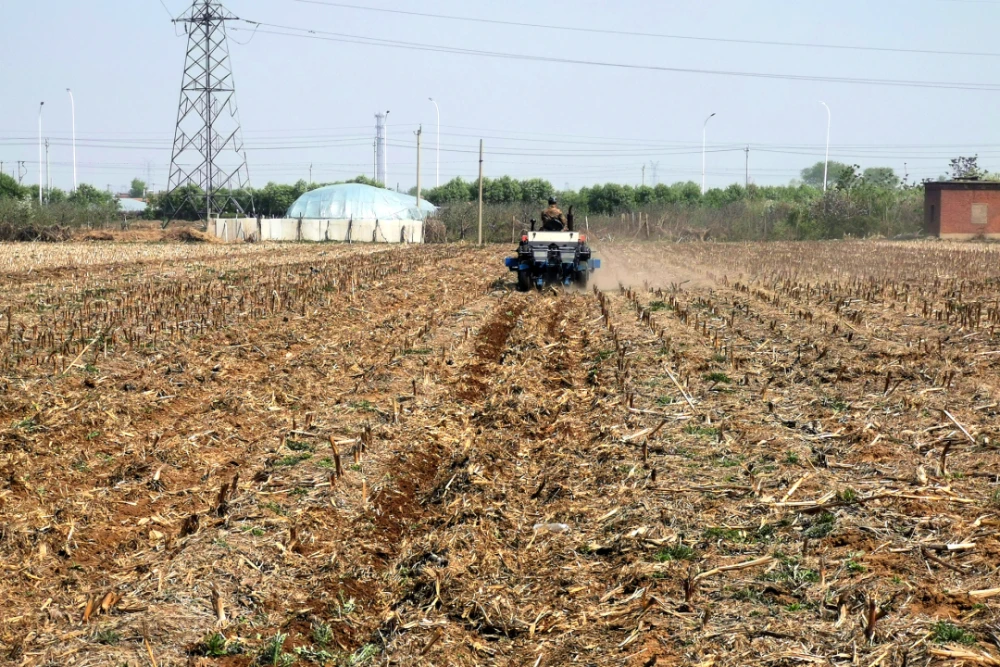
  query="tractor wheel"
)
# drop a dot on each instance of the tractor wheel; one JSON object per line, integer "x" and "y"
{"x": 523, "y": 281}
{"x": 583, "y": 277}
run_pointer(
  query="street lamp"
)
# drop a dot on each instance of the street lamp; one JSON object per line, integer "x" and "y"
{"x": 438, "y": 136}
{"x": 72, "y": 106}
{"x": 385, "y": 151}
{"x": 704, "y": 131}
{"x": 41, "y": 160}
{"x": 826, "y": 163}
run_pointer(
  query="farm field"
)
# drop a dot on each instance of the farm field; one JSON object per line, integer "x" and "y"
{"x": 726, "y": 454}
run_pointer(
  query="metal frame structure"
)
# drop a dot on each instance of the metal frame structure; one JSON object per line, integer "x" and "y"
{"x": 208, "y": 149}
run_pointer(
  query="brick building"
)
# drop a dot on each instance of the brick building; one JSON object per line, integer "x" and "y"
{"x": 962, "y": 209}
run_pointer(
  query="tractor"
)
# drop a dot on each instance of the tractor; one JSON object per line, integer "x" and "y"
{"x": 548, "y": 257}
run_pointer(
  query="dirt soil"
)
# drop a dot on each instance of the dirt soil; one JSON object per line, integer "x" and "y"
{"x": 727, "y": 454}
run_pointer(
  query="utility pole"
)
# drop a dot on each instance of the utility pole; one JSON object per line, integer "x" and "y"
{"x": 644, "y": 175}
{"x": 480, "y": 192}
{"x": 310, "y": 173}
{"x": 420, "y": 131}
{"x": 704, "y": 130}
{"x": 41, "y": 164}
{"x": 385, "y": 151}
{"x": 375, "y": 160}
{"x": 437, "y": 137}
{"x": 747, "y": 150}
{"x": 48, "y": 173}
{"x": 72, "y": 106}
{"x": 208, "y": 151}
{"x": 380, "y": 149}
{"x": 826, "y": 163}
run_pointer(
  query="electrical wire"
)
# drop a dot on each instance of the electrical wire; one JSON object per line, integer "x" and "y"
{"x": 631, "y": 33}
{"x": 306, "y": 33}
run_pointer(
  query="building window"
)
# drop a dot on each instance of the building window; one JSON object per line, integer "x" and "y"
{"x": 980, "y": 214}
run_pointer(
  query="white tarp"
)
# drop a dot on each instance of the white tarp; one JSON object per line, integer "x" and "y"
{"x": 355, "y": 201}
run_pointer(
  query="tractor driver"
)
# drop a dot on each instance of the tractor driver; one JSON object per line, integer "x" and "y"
{"x": 553, "y": 219}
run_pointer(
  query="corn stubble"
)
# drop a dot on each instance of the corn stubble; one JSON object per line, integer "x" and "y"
{"x": 737, "y": 454}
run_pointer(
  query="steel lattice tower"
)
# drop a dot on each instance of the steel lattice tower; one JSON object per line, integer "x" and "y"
{"x": 208, "y": 147}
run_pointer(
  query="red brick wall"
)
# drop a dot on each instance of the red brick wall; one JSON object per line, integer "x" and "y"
{"x": 955, "y": 212}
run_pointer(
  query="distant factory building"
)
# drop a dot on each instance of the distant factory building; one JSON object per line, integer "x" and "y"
{"x": 962, "y": 209}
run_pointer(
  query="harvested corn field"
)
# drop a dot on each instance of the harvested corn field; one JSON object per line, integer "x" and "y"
{"x": 776, "y": 454}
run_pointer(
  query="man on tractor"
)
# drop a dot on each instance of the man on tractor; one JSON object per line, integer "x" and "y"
{"x": 553, "y": 219}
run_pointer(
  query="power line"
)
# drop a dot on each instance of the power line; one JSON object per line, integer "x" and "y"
{"x": 307, "y": 33}
{"x": 631, "y": 33}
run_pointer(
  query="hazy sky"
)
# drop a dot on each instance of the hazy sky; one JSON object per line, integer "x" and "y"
{"x": 570, "y": 123}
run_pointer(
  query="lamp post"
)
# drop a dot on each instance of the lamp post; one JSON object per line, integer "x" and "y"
{"x": 826, "y": 162}
{"x": 41, "y": 160}
{"x": 704, "y": 133}
{"x": 437, "y": 136}
{"x": 72, "y": 106}
{"x": 385, "y": 151}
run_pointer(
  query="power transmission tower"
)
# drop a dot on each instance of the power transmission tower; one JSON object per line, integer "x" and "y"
{"x": 380, "y": 149}
{"x": 653, "y": 166}
{"x": 208, "y": 150}
{"x": 22, "y": 171}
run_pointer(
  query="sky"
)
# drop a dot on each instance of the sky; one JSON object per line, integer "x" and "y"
{"x": 310, "y": 98}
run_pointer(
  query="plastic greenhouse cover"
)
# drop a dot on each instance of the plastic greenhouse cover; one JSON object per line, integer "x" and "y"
{"x": 355, "y": 201}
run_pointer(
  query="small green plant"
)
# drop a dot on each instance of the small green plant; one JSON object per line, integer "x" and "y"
{"x": 422, "y": 350}
{"x": 93, "y": 434}
{"x": 275, "y": 507}
{"x": 855, "y": 566}
{"x": 322, "y": 634}
{"x": 748, "y": 595}
{"x": 298, "y": 446}
{"x": 603, "y": 355}
{"x": 214, "y": 645}
{"x": 848, "y": 495}
{"x": 292, "y": 460}
{"x": 356, "y": 467}
{"x": 273, "y": 653}
{"x": 363, "y": 655}
{"x": 675, "y": 552}
{"x": 364, "y": 406}
{"x": 319, "y": 656}
{"x": 821, "y": 526}
{"x": 29, "y": 425}
{"x": 704, "y": 431}
{"x": 665, "y": 400}
{"x": 325, "y": 462}
{"x": 90, "y": 368}
{"x": 943, "y": 631}
{"x": 717, "y": 378}
{"x": 995, "y": 498}
{"x": 107, "y": 637}
{"x": 794, "y": 607}
{"x": 727, "y": 534}
{"x": 657, "y": 306}
{"x": 299, "y": 491}
{"x": 791, "y": 458}
{"x": 345, "y": 607}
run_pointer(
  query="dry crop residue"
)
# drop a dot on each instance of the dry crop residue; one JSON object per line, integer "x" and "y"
{"x": 742, "y": 455}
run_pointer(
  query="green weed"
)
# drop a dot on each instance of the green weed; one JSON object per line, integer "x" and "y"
{"x": 717, "y": 378}
{"x": 944, "y": 631}
{"x": 675, "y": 552}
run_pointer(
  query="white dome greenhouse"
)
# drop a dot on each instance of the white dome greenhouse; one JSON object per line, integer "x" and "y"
{"x": 349, "y": 212}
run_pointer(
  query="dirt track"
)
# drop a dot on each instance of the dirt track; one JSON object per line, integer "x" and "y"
{"x": 371, "y": 457}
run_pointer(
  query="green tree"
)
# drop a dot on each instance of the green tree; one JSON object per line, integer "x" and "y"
{"x": 138, "y": 188}
{"x": 881, "y": 177}
{"x": 88, "y": 195}
{"x": 966, "y": 167}
{"x": 814, "y": 175}
{"x": 536, "y": 191}
{"x": 9, "y": 189}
